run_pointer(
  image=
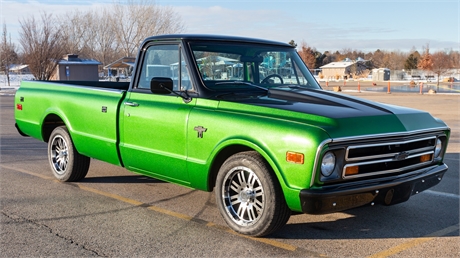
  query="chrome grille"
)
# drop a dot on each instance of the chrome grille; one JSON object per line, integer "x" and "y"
{"x": 389, "y": 157}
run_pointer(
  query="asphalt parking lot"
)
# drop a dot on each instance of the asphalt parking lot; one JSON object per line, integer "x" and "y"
{"x": 113, "y": 212}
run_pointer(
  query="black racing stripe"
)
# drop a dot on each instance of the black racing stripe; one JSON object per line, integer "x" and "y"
{"x": 348, "y": 98}
{"x": 294, "y": 96}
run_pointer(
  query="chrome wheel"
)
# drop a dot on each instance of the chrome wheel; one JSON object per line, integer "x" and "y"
{"x": 59, "y": 154}
{"x": 243, "y": 195}
{"x": 66, "y": 163}
{"x": 249, "y": 196}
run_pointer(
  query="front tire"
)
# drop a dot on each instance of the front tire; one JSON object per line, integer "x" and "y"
{"x": 66, "y": 163}
{"x": 249, "y": 196}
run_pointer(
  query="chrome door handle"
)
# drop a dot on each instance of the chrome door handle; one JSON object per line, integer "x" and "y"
{"x": 132, "y": 104}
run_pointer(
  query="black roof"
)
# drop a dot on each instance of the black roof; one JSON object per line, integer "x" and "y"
{"x": 215, "y": 38}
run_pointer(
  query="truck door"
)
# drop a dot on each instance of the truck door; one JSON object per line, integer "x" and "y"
{"x": 153, "y": 126}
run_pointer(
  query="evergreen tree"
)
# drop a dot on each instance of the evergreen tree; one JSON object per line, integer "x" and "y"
{"x": 411, "y": 62}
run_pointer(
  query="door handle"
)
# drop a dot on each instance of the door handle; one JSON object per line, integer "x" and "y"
{"x": 132, "y": 104}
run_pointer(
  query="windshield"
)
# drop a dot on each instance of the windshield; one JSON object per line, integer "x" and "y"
{"x": 227, "y": 66}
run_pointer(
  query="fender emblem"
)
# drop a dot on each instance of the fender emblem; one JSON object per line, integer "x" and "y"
{"x": 401, "y": 156}
{"x": 200, "y": 129}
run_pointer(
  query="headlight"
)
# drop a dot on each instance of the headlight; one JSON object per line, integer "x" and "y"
{"x": 328, "y": 164}
{"x": 438, "y": 148}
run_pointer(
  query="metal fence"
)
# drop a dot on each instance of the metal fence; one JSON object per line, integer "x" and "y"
{"x": 408, "y": 75}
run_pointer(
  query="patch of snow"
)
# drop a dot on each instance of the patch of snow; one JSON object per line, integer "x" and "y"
{"x": 15, "y": 81}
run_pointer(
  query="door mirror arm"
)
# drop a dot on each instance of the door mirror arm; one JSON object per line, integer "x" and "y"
{"x": 164, "y": 85}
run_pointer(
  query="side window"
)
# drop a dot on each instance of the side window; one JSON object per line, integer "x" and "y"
{"x": 185, "y": 76}
{"x": 163, "y": 61}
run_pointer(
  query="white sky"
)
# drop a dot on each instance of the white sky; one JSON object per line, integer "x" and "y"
{"x": 326, "y": 25}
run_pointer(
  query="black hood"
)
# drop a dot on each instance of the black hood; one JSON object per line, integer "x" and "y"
{"x": 319, "y": 102}
{"x": 341, "y": 115}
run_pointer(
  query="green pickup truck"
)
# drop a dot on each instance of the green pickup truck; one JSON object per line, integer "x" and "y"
{"x": 241, "y": 117}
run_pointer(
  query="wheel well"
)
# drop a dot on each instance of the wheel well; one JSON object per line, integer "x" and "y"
{"x": 51, "y": 121}
{"x": 220, "y": 159}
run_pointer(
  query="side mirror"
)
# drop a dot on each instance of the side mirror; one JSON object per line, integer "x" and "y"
{"x": 161, "y": 85}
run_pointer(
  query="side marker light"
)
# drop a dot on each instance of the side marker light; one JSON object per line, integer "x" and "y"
{"x": 294, "y": 157}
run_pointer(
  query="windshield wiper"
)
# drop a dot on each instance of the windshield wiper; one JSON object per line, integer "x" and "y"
{"x": 242, "y": 83}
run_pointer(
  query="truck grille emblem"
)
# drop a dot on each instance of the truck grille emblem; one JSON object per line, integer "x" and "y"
{"x": 401, "y": 156}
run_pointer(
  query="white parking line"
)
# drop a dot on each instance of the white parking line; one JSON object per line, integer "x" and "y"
{"x": 448, "y": 195}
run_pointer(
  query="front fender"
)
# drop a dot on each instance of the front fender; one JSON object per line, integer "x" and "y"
{"x": 291, "y": 177}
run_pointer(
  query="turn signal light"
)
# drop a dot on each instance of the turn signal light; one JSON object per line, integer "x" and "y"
{"x": 294, "y": 157}
{"x": 425, "y": 158}
{"x": 353, "y": 170}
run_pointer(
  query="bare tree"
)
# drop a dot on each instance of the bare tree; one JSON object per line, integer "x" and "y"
{"x": 340, "y": 55}
{"x": 351, "y": 54}
{"x": 137, "y": 20}
{"x": 74, "y": 26}
{"x": 328, "y": 58}
{"x": 455, "y": 58}
{"x": 396, "y": 60}
{"x": 378, "y": 59}
{"x": 442, "y": 63}
{"x": 105, "y": 45}
{"x": 117, "y": 30}
{"x": 90, "y": 34}
{"x": 42, "y": 45}
{"x": 393, "y": 60}
{"x": 7, "y": 54}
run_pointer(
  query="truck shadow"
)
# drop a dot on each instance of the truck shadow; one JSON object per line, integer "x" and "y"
{"x": 400, "y": 221}
{"x": 131, "y": 179}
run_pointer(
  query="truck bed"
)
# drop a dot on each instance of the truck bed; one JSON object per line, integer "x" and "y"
{"x": 89, "y": 109}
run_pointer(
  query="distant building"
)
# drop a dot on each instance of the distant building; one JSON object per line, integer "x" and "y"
{"x": 72, "y": 68}
{"x": 344, "y": 69}
{"x": 19, "y": 69}
{"x": 121, "y": 67}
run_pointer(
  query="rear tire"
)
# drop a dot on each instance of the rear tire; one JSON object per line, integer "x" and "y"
{"x": 249, "y": 196}
{"x": 66, "y": 163}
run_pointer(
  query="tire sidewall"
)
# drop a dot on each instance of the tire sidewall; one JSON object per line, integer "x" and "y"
{"x": 262, "y": 171}
{"x": 64, "y": 134}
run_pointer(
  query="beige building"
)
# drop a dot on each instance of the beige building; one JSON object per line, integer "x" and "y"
{"x": 72, "y": 68}
{"x": 342, "y": 70}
